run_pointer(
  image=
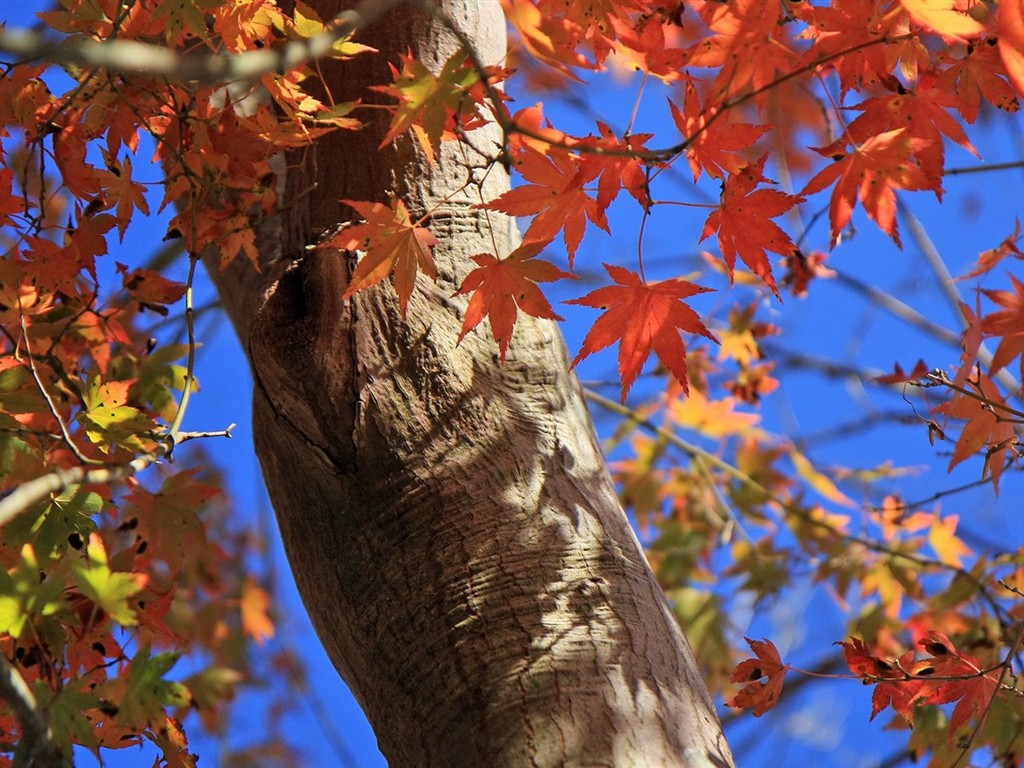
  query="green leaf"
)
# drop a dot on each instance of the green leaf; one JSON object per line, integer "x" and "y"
{"x": 109, "y": 590}
{"x": 52, "y": 525}
{"x": 23, "y": 595}
{"x": 146, "y": 693}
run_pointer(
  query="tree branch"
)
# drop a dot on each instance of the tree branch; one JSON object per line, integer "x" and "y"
{"x": 37, "y": 746}
{"x": 131, "y": 57}
{"x": 27, "y": 494}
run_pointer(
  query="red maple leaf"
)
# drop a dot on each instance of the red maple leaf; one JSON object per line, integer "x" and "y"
{"x": 713, "y": 146}
{"x": 748, "y": 46}
{"x": 923, "y": 112}
{"x": 899, "y": 693}
{"x": 393, "y": 243}
{"x": 871, "y": 171}
{"x": 614, "y": 167}
{"x": 500, "y": 286}
{"x": 555, "y": 198}
{"x": 973, "y": 692}
{"x": 1011, "y": 42}
{"x": 744, "y": 226}
{"x": 1008, "y": 324}
{"x": 641, "y": 317}
{"x": 768, "y": 664}
{"x": 857, "y": 31}
{"x": 986, "y": 427}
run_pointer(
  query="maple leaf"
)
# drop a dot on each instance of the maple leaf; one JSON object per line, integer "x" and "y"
{"x": 1011, "y": 42}
{"x": 51, "y": 267}
{"x": 129, "y": 195}
{"x": 306, "y": 23}
{"x": 393, "y": 244}
{"x": 801, "y": 269}
{"x": 980, "y": 74}
{"x": 500, "y": 286}
{"x": 643, "y": 45}
{"x": 107, "y": 589}
{"x": 108, "y": 419}
{"x": 555, "y": 198}
{"x": 899, "y": 694}
{"x": 712, "y": 146}
{"x": 988, "y": 259}
{"x": 613, "y": 166}
{"x": 922, "y": 111}
{"x": 871, "y": 171}
{"x": 746, "y": 46}
{"x": 986, "y": 426}
{"x": 642, "y": 317}
{"x": 434, "y": 106}
{"x": 940, "y": 16}
{"x": 857, "y": 30}
{"x": 947, "y": 545}
{"x": 973, "y": 693}
{"x": 255, "y": 606}
{"x": 899, "y": 376}
{"x": 151, "y": 289}
{"x": 168, "y": 522}
{"x": 1008, "y": 324}
{"x": 768, "y": 664}
{"x": 744, "y": 226}
{"x": 551, "y": 39}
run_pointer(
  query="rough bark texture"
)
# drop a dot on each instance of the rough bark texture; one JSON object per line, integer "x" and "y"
{"x": 450, "y": 522}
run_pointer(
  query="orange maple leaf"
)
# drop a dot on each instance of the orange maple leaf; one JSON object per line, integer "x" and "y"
{"x": 255, "y": 609}
{"x": 744, "y": 226}
{"x": 713, "y": 146}
{"x": 871, "y": 171}
{"x": 127, "y": 194}
{"x": 643, "y": 45}
{"x": 987, "y": 426}
{"x": 978, "y": 74}
{"x": 555, "y": 198}
{"x": 768, "y": 664}
{"x": 1008, "y": 324}
{"x": 500, "y": 286}
{"x": 940, "y": 16}
{"x": 854, "y": 30}
{"x": 1011, "y": 42}
{"x": 747, "y": 46}
{"x": 923, "y": 112}
{"x": 551, "y": 39}
{"x": 392, "y": 242}
{"x": 641, "y": 317}
{"x": 434, "y": 106}
{"x": 151, "y": 289}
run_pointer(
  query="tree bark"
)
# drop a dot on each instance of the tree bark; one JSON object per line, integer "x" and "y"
{"x": 450, "y": 521}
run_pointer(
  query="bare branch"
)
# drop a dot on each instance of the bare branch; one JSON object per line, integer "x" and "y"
{"x": 131, "y": 57}
{"x": 27, "y": 494}
{"x": 37, "y": 744}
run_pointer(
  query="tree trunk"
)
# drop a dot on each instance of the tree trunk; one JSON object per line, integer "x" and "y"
{"x": 450, "y": 521}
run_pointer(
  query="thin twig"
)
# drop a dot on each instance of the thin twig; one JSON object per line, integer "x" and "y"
{"x": 33, "y": 491}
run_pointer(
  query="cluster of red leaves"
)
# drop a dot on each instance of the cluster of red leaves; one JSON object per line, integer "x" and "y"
{"x": 944, "y": 675}
{"x": 749, "y": 48}
{"x": 104, "y": 586}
